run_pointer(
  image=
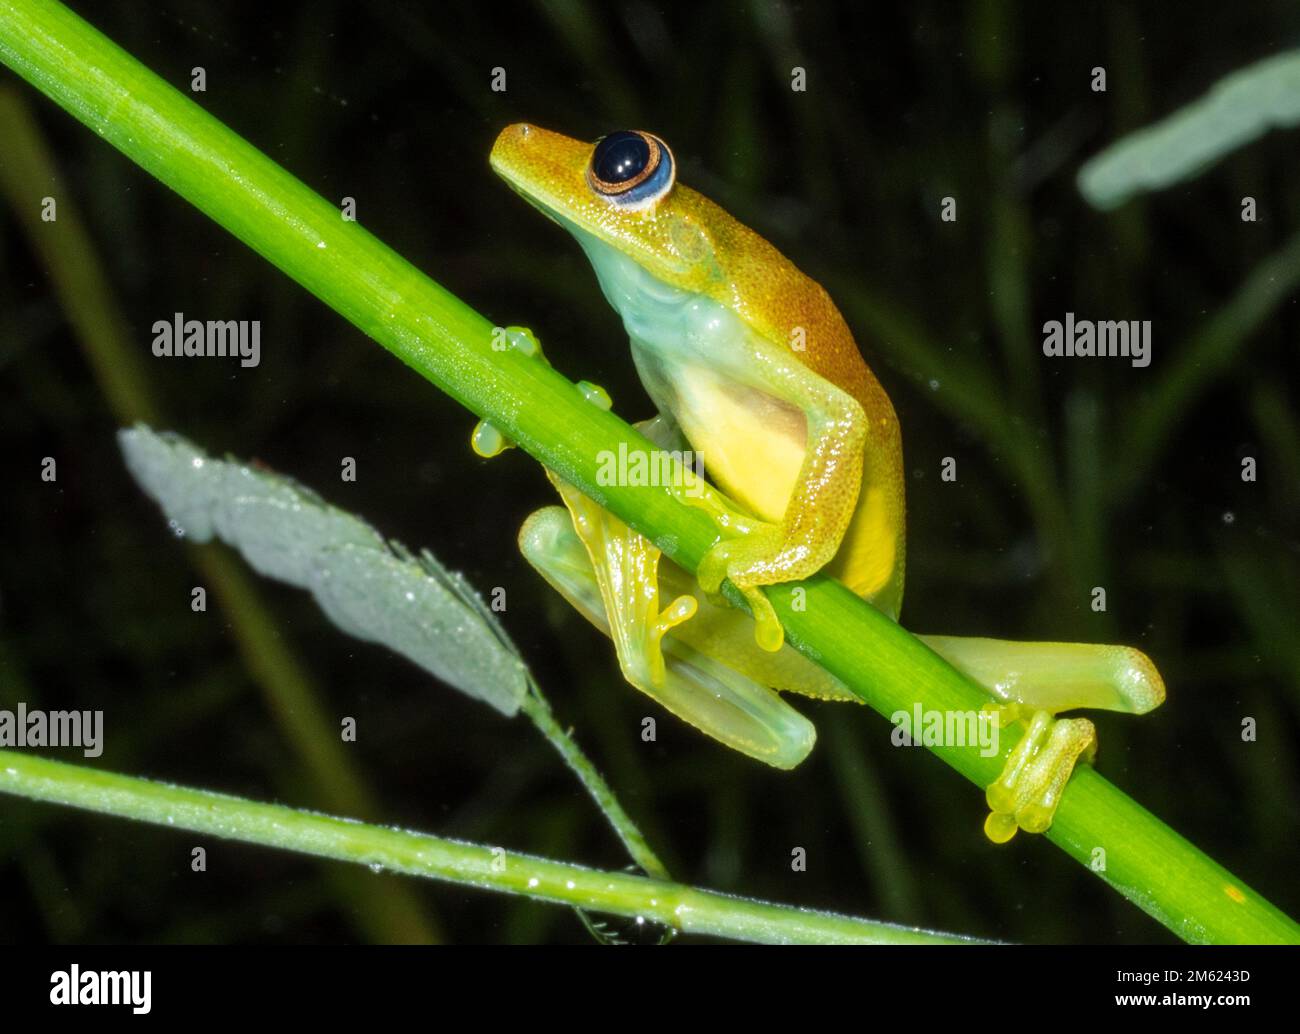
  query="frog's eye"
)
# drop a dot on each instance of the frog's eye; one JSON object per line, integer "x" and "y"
{"x": 631, "y": 168}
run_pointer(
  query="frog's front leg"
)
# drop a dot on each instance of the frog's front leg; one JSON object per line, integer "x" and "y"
{"x": 1034, "y": 682}
{"x": 821, "y": 499}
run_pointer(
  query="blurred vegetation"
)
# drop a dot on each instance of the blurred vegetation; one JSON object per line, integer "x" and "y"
{"x": 1072, "y": 473}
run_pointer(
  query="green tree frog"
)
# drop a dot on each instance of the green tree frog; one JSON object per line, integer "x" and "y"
{"x": 751, "y": 366}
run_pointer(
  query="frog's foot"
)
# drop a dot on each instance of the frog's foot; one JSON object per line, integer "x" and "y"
{"x": 743, "y": 562}
{"x": 1027, "y": 793}
{"x": 626, "y": 566}
{"x": 569, "y": 549}
{"x": 648, "y": 655}
{"x": 487, "y": 440}
{"x": 746, "y": 539}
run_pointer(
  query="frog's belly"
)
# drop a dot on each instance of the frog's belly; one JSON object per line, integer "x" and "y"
{"x": 752, "y": 444}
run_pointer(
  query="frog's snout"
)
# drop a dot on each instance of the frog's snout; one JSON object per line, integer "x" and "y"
{"x": 523, "y": 150}
{"x": 509, "y": 141}
{"x": 514, "y": 134}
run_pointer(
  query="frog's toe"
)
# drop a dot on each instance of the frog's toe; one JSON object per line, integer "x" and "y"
{"x": 651, "y": 657}
{"x": 1000, "y": 827}
{"x": 488, "y": 441}
{"x": 1028, "y": 791}
{"x": 734, "y": 559}
{"x": 713, "y": 568}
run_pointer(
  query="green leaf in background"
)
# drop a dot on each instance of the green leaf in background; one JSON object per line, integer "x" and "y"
{"x": 1240, "y": 108}
{"x": 372, "y": 591}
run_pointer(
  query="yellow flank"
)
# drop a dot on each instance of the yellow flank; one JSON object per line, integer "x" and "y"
{"x": 753, "y": 442}
{"x": 870, "y": 560}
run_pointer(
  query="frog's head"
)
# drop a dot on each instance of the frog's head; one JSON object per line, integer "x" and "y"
{"x": 656, "y": 244}
{"x": 618, "y": 196}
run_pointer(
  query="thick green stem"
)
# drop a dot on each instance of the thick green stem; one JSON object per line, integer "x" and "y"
{"x": 671, "y": 904}
{"x": 429, "y": 329}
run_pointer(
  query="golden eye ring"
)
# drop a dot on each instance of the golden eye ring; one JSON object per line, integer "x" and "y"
{"x": 631, "y": 167}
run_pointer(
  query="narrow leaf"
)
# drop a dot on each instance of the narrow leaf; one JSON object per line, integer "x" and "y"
{"x": 1240, "y": 108}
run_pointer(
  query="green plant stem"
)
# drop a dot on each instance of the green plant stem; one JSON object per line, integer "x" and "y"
{"x": 427, "y": 327}
{"x": 539, "y": 711}
{"x": 688, "y": 909}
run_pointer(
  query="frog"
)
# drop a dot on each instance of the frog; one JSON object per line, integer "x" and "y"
{"x": 751, "y": 367}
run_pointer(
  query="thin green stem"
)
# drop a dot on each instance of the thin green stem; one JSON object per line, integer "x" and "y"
{"x": 538, "y": 709}
{"x": 688, "y": 909}
{"x": 174, "y": 139}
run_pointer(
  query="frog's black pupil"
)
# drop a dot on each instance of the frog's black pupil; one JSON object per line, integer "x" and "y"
{"x": 620, "y": 157}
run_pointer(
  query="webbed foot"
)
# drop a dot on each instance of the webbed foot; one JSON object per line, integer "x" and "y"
{"x": 1027, "y": 793}
{"x": 608, "y": 572}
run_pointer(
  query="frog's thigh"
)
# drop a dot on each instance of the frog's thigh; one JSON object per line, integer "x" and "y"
{"x": 1056, "y": 677}
{"x": 610, "y": 575}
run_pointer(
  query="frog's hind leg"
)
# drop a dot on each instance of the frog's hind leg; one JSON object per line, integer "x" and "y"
{"x": 610, "y": 574}
{"x": 1034, "y": 682}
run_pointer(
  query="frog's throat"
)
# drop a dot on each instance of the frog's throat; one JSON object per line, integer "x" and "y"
{"x": 687, "y": 347}
{"x": 649, "y": 306}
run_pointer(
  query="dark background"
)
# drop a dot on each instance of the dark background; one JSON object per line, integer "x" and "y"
{"x": 1072, "y": 473}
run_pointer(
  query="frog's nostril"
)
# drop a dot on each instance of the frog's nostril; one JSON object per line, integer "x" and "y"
{"x": 524, "y": 130}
